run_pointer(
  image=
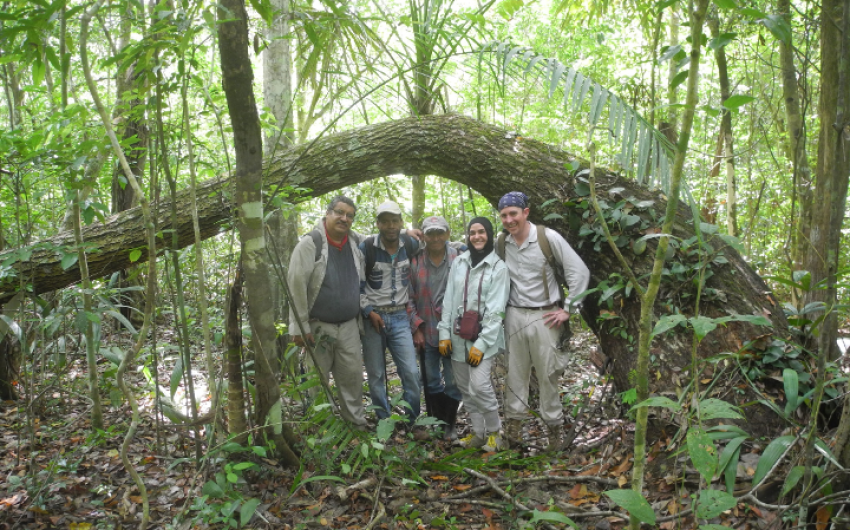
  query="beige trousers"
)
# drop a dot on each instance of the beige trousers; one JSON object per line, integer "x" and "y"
{"x": 532, "y": 344}
{"x": 339, "y": 352}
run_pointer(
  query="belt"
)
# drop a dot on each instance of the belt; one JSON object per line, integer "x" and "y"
{"x": 538, "y": 308}
{"x": 390, "y": 308}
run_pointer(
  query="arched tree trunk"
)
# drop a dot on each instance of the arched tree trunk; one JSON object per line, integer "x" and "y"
{"x": 485, "y": 158}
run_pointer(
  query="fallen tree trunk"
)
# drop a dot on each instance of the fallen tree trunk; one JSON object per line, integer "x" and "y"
{"x": 493, "y": 162}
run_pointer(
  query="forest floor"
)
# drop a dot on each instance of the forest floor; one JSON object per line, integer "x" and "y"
{"x": 57, "y": 474}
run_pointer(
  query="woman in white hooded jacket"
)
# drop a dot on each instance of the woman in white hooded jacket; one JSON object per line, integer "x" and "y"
{"x": 478, "y": 281}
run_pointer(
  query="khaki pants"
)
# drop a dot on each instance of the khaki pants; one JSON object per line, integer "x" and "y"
{"x": 338, "y": 352}
{"x": 532, "y": 343}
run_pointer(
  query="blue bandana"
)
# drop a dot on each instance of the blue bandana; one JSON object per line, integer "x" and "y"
{"x": 513, "y": 198}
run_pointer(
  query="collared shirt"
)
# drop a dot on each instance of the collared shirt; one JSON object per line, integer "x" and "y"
{"x": 527, "y": 266}
{"x": 428, "y": 283}
{"x": 389, "y": 281}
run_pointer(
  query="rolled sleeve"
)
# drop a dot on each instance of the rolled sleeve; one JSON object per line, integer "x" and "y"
{"x": 576, "y": 273}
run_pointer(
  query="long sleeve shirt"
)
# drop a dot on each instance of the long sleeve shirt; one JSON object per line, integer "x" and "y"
{"x": 528, "y": 267}
{"x": 428, "y": 291}
{"x": 494, "y": 297}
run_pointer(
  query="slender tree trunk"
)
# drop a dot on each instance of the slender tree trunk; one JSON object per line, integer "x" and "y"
{"x": 277, "y": 94}
{"x": 726, "y": 133}
{"x": 236, "y": 419}
{"x": 91, "y": 358}
{"x": 800, "y": 170}
{"x": 832, "y": 182}
{"x": 238, "y": 78}
{"x": 647, "y": 301}
{"x": 672, "y": 92}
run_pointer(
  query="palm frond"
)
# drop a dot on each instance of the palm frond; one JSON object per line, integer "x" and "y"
{"x": 642, "y": 151}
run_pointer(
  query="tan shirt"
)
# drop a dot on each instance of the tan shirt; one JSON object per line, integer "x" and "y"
{"x": 527, "y": 265}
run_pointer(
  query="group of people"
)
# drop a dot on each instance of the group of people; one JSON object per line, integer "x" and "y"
{"x": 454, "y": 305}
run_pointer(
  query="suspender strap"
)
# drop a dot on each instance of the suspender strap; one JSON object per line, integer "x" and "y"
{"x": 466, "y": 289}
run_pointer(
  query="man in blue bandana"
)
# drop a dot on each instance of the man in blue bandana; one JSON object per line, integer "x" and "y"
{"x": 536, "y": 316}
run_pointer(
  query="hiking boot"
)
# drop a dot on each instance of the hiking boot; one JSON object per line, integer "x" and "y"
{"x": 494, "y": 443}
{"x": 554, "y": 438}
{"x": 473, "y": 440}
{"x": 513, "y": 432}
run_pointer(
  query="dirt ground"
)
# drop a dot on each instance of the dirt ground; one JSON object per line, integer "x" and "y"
{"x": 57, "y": 474}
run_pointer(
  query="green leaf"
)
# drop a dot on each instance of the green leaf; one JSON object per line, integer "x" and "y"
{"x": 385, "y": 428}
{"x": 823, "y": 449}
{"x": 679, "y": 79}
{"x": 243, "y": 465}
{"x": 771, "y": 455}
{"x": 712, "y": 409}
{"x": 708, "y": 228}
{"x": 792, "y": 479}
{"x": 553, "y": 216}
{"x": 728, "y": 464}
{"x": 702, "y": 452}
{"x": 38, "y": 70}
{"x": 122, "y": 319}
{"x": 726, "y": 4}
{"x": 702, "y": 325}
{"x": 634, "y": 503}
{"x": 555, "y": 517}
{"x": 667, "y": 322}
{"x": 757, "y": 320}
{"x": 582, "y": 189}
{"x": 668, "y": 52}
{"x": 791, "y": 382}
{"x": 738, "y": 100}
{"x": 721, "y": 41}
{"x": 247, "y": 510}
{"x": 714, "y": 502}
{"x": 264, "y": 9}
{"x": 135, "y": 254}
{"x": 658, "y": 401}
{"x": 176, "y": 376}
{"x": 733, "y": 242}
{"x": 259, "y": 450}
{"x": 213, "y": 490}
{"x": 68, "y": 261}
{"x": 778, "y": 25}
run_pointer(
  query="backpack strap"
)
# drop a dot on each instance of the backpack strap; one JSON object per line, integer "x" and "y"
{"x": 551, "y": 260}
{"x": 500, "y": 245}
{"x": 317, "y": 242}
{"x": 369, "y": 254}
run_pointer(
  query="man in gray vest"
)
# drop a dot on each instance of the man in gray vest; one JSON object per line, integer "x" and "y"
{"x": 536, "y": 316}
{"x": 324, "y": 276}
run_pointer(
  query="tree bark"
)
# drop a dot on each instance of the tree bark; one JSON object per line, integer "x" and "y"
{"x": 726, "y": 133}
{"x": 238, "y": 82}
{"x": 480, "y": 156}
{"x": 801, "y": 171}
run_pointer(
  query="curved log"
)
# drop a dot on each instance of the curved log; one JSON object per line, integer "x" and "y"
{"x": 493, "y": 162}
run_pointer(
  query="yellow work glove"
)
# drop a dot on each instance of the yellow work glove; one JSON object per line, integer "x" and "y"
{"x": 474, "y": 356}
{"x": 445, "y": 347}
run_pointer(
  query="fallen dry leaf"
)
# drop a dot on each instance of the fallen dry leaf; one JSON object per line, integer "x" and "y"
{"x": 823, "y": 514}
{"x": 440, "y": 477}
{"x": 462, "y": 487}
{"x": 590, "y": 471}
{"x": 622, "y": 480}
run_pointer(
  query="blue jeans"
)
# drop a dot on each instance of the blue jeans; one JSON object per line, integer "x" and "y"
{"x": 396, "y": 337}
{"x": 435, "y": 374}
